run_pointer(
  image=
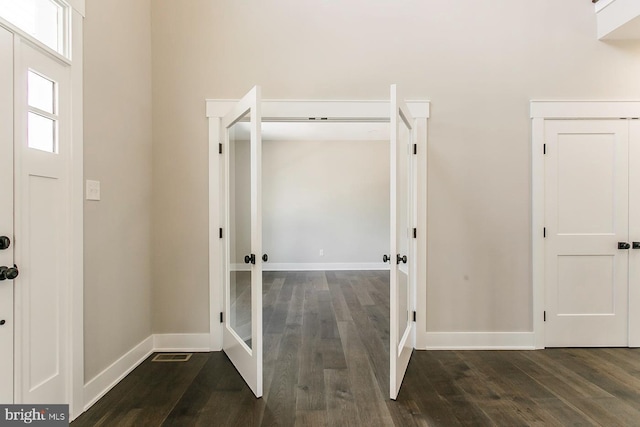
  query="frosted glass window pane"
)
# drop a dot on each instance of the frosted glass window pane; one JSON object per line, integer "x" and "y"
{"x": 41, "y": 133}
{"x": 39, "y": 18}
{"x": 41, "y": 93}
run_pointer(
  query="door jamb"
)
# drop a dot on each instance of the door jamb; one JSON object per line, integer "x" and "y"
{"x": 564, "y": 110}
{"x": 302, "y": 110}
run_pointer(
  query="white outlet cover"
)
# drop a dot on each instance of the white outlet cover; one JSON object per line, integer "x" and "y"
{"x": 92, "y": 190}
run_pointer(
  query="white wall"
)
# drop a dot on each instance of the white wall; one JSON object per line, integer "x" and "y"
{"x": 117, "y": 152}
{"x": 478, "y": 62}
{"x": 329, "y": 195}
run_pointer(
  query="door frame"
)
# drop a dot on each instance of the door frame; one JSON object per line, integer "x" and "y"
{"x": 541, "y": 111}
{"x": 75, "y": 360}
{"x": 302, "y": 110}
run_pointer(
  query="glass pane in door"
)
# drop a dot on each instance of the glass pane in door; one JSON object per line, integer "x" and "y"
{"x": 404, "y": 220}
{"x": 239, "y": 294}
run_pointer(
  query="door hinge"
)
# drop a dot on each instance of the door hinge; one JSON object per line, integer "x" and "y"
{"x": 415, "y": 148}
{"x": 544, "y": 316}
{"x": 414, "y": 316}
{"x": 544, "y": 148}
{"x": 544, "y": 232}
{"x": 220, "y": 232}
{"x": 221, "y": 317}
{"x": 415, "y": 233}
{"x": 220, "y": 148}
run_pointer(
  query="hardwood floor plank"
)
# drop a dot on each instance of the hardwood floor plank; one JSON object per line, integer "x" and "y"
{"x": 341, "y": 406}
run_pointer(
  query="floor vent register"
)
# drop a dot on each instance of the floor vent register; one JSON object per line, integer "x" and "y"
{"x": 172, "y": 357}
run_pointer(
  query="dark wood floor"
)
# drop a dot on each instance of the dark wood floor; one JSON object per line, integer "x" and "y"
{"x": 326, "y": 363}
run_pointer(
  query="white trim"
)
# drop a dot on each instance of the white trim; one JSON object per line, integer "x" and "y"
{"x": 317, "y": 266}
{"x": 602, "y": 4}
{"x": 114, "y": 373}
{"x": 479, "y": 341}
{"x": 181, "y": 342}
{"x": 303, "y": 109}
{"x": 76, "y": 256}
{"x": 78, "y": 6}
{"x": 555, "y": 110}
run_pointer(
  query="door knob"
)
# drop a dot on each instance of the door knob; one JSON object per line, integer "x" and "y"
{"x": 635, "y": 245}
{"x": 386, "y": 258}
{"x": 623, "y": 245}
{"x": 2, "y": 322}
{"x": 250, "y": 259}
{"x": 9, "y": 273}
{"x": 265, "y": 257}
{"x": 5, "y": 242}
{"x": 401, "y": 259}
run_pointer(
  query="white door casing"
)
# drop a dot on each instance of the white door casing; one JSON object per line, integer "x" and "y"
{"x": 42, "y": 251}
{"x": 543, "y": 115}
{"x": 242, "y": 322}
{"x": 402, "y": 245}
{"x": 586, "y": 215}
{"x": 6, "y": 213}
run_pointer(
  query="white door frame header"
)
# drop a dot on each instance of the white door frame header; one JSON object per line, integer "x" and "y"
{"x": 557, "y": 110}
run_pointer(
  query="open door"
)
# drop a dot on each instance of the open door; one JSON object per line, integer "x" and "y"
{"x": 242, "y": 317}
{"x": 402, "y": 271}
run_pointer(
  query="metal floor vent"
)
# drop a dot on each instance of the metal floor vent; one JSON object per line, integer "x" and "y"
{"x": 172, "y": 357}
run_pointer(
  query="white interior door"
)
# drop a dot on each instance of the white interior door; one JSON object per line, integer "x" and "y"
{"x": 586, "y": 216}
{"x": 402, "y": 244}
{"x": 6, "y": 214}
{"x": 242, "y": 320}
{"x": 42, "y": 227}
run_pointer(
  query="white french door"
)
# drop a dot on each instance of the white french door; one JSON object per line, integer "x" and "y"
{"x": 6, "y": 214}
{"x": 587, "y": 193}
{"x": 242, "y": 317}
{"x": 403, "y": 262}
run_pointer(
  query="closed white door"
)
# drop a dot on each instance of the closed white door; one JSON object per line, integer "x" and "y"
{"x": 242, "y": 317}
{"x": 6, "y": 214}
{"x": 42, "y": 157}
{"x": 402, "y": 271}
{"x": 587, "y": 233}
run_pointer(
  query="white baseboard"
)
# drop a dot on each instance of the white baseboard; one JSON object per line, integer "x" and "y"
{"x": 112, "y": 375}
{"x": 479, "y": 341}
{"x": 181, "y": 342}
{"x": 331, "y": 266}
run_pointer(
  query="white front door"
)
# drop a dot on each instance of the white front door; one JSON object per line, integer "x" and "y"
{"x": 242, "y": 317}
{"x": 6, "y": 214}
{"x": 42, "y": 227}
{"x": 403, "y": 262}
{"x": 586, "y": 219}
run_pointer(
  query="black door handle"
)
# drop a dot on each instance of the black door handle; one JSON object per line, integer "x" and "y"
{"x": 386, "y": 258}
{"x": 9, "y": 273}
{"x": 250, "y": 259}
{"x": 635, "y": 245}
{"x": 623, "y": 245}
{"x": 401, "y": 259}
{"x": 265, "y": 258}
{"x": 5, "y": 242}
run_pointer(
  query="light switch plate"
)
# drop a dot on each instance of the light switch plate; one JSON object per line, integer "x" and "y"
{"x": 92, "y": 190}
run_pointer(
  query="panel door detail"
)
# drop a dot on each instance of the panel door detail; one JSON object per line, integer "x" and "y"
{"x": 402, "y": 271}
{"x": 587, "y": 229}
{"x": 6, "y": 215}
{"x": 42, "y": 147}
{"x": 242, "y": 318}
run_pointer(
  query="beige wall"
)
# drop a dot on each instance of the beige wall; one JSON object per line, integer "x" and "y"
{"x": 117, "y": 147}
{"x": 478, "y": 62}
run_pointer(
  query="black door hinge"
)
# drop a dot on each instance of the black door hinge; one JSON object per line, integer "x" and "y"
{"x": 220, "y": 232}
{"x": 544, "y": 316}
{"x": 415, "y": 233}
{"x": 544, "y": 148}
{"x": 415, "y": 148}
{"x": 221, "y": 317}
{"x": 414, "y": 316}
{"x": 544, "y": 232}
{"x": 220, "y": 148}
